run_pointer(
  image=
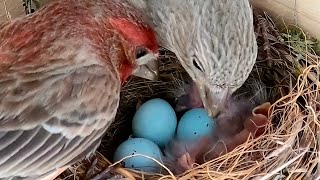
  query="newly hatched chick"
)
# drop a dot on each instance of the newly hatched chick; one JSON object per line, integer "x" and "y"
{"x": 189, "y": 99}
{"x": 61, "y": 71}
{"x": 214, "y": 41}
{"x": 240, "y": 118}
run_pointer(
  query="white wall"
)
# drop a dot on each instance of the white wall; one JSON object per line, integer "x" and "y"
{"x": 307, "y": 13}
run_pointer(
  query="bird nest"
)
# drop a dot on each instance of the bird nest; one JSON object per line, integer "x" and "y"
{"x": 288, "y": 68}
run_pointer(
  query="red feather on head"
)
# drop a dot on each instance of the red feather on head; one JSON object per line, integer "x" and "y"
{"x": 139, "y": 35}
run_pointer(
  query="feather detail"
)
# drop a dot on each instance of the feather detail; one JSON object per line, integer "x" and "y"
{"x": 60, "y": 77}
{"x": 140, "y": 35}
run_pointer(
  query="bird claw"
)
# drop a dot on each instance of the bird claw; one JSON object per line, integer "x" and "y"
{"x": 30, "y": 6}
{"x": 91, "y": 169}
{"x": 105, "y": 174}
{"x": 108, "y": 173}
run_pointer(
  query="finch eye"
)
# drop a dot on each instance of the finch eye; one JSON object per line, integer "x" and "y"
{"x": 197, "y": 65}
{"x": 140, "y": 52}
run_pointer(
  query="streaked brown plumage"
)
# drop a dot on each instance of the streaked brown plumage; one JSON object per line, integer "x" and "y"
{"x": 61, "y": 70}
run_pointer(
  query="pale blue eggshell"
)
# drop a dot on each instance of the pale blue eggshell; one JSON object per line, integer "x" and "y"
{"x": 195, "y": 124}
{"x": 139, "y": 146}
{"x": 155, "y": 120}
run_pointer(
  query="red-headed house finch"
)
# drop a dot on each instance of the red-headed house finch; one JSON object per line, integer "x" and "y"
{"x": 214, "y": 41}
{"x": 61, "y": 71}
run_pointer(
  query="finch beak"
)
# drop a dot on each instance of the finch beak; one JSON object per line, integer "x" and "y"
{"x": 213, "y": 102}
{"x": 148, "y": 67}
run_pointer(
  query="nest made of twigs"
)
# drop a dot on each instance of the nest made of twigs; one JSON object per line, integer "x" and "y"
{"x": 289, "y": 69}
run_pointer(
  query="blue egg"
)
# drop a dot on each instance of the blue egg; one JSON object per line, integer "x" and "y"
{"x": 195, "y": 124}
{"x": 139, "y": 146}
{"x": 155, "y": 120}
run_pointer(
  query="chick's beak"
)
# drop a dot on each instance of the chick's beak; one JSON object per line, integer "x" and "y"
{"x": 212, "y": 101}
{"x": 147, "y": 67}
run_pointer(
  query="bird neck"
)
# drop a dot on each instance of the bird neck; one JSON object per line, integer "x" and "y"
{"x": 112, "y": 49}
{"x": 125, "y": 70}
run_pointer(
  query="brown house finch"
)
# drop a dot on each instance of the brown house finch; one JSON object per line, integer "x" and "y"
{"x": 61, "y": 70}
{"x": 214, "y": 41}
